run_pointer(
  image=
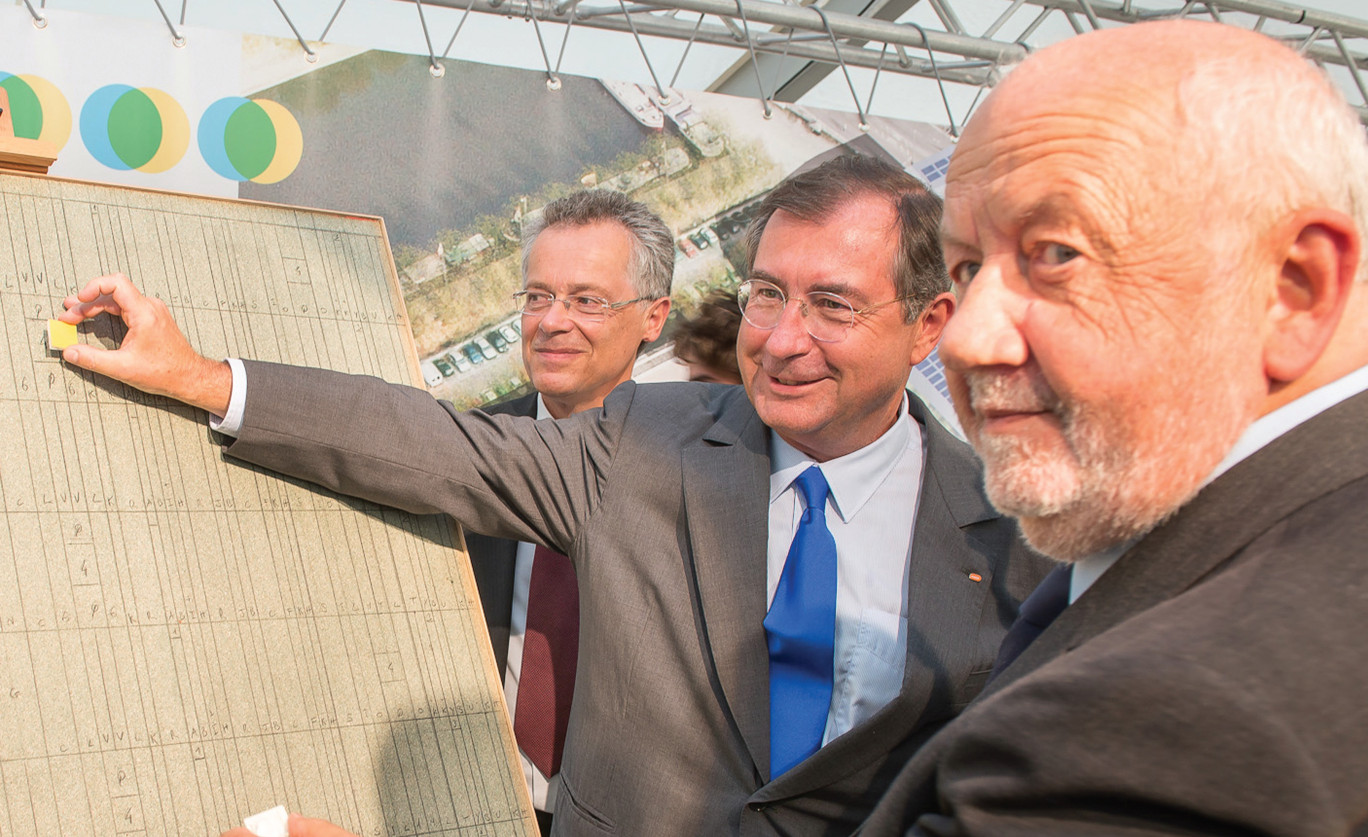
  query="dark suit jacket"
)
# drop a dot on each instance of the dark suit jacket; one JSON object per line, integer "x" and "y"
{"x": 1213, "y": 681}
{"x": 493, "y": 559}
{"x": 660, "y": 500}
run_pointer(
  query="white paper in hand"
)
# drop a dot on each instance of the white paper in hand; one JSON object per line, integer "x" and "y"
{"x": 272, "y": 823}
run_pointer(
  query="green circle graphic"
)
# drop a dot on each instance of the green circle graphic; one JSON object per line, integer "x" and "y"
{"x": 250, "y": 140}
{"x": 135, "y": 128}
{"x": 24, "y": 107}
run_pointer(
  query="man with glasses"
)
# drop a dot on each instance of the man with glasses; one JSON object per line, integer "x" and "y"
{"x": 762, "y": 642}
{"x": 596, "y": 267}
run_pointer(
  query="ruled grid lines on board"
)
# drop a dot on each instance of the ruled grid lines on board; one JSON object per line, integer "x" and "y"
{"x": 184, "y": 640}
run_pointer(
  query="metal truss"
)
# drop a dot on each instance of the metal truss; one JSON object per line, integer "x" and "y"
{"x": 792, "y": 46}
{"x": 785, "y": 47}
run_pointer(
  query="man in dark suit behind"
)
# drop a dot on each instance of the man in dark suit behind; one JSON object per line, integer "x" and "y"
{"x": 1161, "y": 354}
{"x": 821, "y": 488}
{"x": 602, "y": 246}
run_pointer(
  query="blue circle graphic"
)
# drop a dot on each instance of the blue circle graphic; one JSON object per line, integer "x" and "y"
{"x": 95, "y": 125}
{"x": 211, "y": 129}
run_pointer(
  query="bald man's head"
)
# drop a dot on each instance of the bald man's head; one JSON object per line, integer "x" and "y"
{"x": 1234, "y": 119}
{"x": 1154, "y": 231}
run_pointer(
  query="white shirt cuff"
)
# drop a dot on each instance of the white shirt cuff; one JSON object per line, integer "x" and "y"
{"x": 231, "y": 423}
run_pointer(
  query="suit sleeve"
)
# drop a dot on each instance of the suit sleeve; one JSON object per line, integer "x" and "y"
{"x": 1139, "y": 745}
{"x": 398, "y": 446}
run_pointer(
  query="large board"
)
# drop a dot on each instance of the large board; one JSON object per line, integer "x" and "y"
{"x": 185, "y": 640}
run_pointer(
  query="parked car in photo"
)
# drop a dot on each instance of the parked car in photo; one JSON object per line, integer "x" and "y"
{"x": 432, "y": 376}
{"x": 497, "y": 341}
{"x": 510, "y": 332}
{"x": 700, "y": 240}
{"x": 484, "y": 348}
{"x": 473, "y": 353}
{"x": 688, "y": 247}
{"x": 458, "y": 360}
{"x": 442, "y": 364}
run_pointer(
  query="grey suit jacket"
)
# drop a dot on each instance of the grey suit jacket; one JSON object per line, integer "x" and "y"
{"x": 493, "y": 560}
{"x": 660, "y": 500}
{"x": 1213, "y": 681}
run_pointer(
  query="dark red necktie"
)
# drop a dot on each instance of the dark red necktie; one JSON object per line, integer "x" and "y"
{"x": 550, "y": 651}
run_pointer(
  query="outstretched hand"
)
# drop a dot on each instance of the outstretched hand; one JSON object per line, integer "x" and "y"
{"x": 300, "y": 827}
{"x": 154, "y": 357}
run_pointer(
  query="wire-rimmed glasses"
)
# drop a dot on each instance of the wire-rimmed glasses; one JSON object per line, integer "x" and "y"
{"x": 582, "y": 306}
{"x": 827, "y": 316}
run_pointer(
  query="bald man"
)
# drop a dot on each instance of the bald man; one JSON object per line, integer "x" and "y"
{"x": 1160, "y": 353}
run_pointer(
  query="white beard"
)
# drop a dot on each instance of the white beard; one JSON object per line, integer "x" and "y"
{"x": 1101, "y": 483}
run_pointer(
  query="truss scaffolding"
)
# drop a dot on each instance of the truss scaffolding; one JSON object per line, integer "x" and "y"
{"x": 796, "y": 45}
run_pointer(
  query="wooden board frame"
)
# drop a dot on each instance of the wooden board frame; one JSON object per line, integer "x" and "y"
{"x": 185, "y": 640}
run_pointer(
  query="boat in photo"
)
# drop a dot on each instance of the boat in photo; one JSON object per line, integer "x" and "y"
{"x": 635, "y": 101}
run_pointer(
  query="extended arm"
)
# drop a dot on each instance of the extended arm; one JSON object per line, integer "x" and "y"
{"x": 364, "y": 437}
{"x": 398, "y": 446}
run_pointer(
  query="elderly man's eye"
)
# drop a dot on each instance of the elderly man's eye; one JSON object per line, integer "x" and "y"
{"x": 964, "y": 272}
{"x": 1057, "y": 253}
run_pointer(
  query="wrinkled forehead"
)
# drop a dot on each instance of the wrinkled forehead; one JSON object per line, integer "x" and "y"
{"x": 1113, "y": 141}
{"x": 1055, "y": 167}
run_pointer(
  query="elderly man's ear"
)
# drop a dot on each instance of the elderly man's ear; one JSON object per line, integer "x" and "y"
{"x": 1319, "y": 250}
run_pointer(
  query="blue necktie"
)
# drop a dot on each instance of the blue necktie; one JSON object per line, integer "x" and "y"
{"x": 1039, "y": 609}
{"x": 800, "y": 630}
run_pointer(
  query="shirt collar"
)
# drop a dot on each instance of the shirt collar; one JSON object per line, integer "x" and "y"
{"x": 542, "y": 412}
{"x": 1267, "y": 428}
{"x": 854, "y": 477}
{"x": 1088, "y": 570}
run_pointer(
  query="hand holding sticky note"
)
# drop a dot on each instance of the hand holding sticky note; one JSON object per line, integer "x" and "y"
{"x": 60, "y": 335}
{"x": 272, "y": 823}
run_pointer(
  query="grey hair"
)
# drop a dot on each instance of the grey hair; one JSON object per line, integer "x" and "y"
{"x": 1274, "y": 139}
{"x": 652, "y": 264}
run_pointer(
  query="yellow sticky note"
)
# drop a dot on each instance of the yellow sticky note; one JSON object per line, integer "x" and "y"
{"x": 60, "y": 335}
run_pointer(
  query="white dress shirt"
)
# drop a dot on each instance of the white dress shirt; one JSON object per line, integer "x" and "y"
{"x": 231, "y": 422}
{"x": 873, "y": 503}
{"x": 1263, "y": 431}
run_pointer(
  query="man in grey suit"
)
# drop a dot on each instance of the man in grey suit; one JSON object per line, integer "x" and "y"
{"x": 586, "y": 249}
{"x": 688, "y": 508}
{"x": 1161, "y": 353}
